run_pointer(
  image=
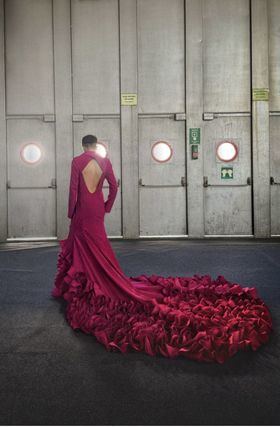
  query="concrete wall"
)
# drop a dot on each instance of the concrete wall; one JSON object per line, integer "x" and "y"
{"x": 207, "y": 65}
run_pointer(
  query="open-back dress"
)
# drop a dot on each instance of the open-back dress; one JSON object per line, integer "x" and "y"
{"x": 197, "y": 317}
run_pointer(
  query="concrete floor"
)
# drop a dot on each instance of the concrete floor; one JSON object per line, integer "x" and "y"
{"x": 52, "y": 375}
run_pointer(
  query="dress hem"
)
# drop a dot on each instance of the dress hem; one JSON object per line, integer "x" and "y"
{"x": 199, "y": 318}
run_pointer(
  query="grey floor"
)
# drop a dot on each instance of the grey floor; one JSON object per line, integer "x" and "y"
{"x": 52, "y": 375}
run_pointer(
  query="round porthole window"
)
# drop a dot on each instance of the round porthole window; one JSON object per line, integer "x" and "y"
{"x": 31, "y": 153}
{"x": 161, "y": 151}
{"x": 101, "y": 149}
{"x": 227, "y": 151}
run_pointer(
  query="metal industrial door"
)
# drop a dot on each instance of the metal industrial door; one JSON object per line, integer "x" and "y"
{"x": 30, "y": 119}
{"x": 274, "y": 107}
{"x": 161, "y": 105}
{"x": 227, "y": 118}
{"x": 96, "y": 105}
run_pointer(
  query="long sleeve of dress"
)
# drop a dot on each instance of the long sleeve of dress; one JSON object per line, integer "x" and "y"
{"x": 113, "y": 187}
{"x": 73, "y": 189}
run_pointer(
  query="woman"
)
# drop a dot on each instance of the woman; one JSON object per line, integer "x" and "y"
{"x": 197, "y": 317}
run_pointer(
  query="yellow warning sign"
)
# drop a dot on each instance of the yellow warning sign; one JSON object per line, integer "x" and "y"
{"x": 129, "y": 99}
{"x": 260, "y": 94}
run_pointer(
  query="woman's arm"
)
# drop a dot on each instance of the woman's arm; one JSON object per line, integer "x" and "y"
{"x": 73, "y": 189}
{"x": 113, "y": 186}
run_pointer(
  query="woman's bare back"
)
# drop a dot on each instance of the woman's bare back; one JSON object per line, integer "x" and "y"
{"x": 92, "y": 174}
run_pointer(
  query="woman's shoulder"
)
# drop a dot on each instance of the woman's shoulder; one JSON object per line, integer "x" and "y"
{"x": 108, "y": 160}
{"x": 78, "y": 158}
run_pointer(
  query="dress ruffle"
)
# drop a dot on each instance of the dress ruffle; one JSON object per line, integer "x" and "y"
{"x": 197, "y": 317}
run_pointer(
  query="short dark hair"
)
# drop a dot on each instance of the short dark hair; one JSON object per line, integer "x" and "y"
{"x": 89, "y": 140}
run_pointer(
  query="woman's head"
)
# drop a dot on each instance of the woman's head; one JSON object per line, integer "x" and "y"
{"x": 89, "y": 142}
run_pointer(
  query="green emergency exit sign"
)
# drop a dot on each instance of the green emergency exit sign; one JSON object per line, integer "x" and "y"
{"x": 194, "y": 137}
{"x": 227, "y": 172}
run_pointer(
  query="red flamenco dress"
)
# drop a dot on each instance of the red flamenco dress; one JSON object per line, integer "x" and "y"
{"x": 196, "y": 317}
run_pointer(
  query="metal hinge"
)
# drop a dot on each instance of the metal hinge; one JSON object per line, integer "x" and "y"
{"x": 53, "y": 183}
{"x": 78, "y": 118}
{"x": 208, "y": 116}
{"x": 180, "y": 116}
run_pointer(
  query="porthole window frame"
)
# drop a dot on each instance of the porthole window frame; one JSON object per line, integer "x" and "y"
{"x": 26, "y": 161}
{"x": 229, "y": 141}
{"x": 160, "y": 142}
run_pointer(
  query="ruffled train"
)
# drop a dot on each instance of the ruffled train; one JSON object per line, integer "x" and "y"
{"x": 197, "y": 317}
